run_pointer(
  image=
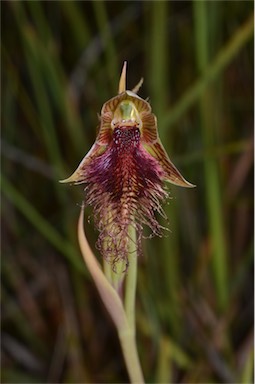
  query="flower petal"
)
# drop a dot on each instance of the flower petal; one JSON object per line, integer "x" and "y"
{"x": 104, "y": 136}
{"x": 138, "y": 86}
{"x": 111, "y": 105}
{"x": 122, "y": 83}
{"x": 79, "y": 176}
{"x": 172, "y": 175}
{"x": 149, "y": 129}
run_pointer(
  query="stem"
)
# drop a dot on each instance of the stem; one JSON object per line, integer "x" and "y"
{"x": 127, "y": 336}
{"x": 208, "y": 103}
{"x": 107, "y": 270}
{"x": 131, "y": 279}
{"x": 118, "y": 276}
{"x": 127, "y": 333}
{"x": 129, "y": 350}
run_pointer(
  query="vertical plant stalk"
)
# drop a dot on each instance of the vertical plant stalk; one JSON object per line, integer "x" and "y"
{"x": 123, "y": 318}
{"x": 131, "y": 279}
{"x": 214, "y": 199}
{"x": 160, "y": 57}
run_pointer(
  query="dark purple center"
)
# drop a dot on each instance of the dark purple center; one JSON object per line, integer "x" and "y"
{"x": 125, "y": 139}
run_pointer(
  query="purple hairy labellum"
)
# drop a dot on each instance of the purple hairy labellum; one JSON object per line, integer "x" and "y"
{"x": 124, "y": 173}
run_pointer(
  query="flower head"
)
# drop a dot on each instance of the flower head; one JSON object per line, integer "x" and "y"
{"x": 124, "y": 172}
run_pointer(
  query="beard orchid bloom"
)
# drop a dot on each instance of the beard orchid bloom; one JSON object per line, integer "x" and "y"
{"x": 124, "y": 173}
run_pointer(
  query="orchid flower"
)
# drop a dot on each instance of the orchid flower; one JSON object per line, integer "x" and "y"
{"x": 124, "y": 173}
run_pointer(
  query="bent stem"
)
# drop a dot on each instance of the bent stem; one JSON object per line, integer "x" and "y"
{"x": 124, "y": 319}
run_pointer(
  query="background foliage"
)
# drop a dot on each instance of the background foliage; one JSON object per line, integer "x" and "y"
{"x": 60, "y": 62}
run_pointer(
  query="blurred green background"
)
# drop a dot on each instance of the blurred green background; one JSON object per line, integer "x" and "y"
{"x": 60, "y": 62}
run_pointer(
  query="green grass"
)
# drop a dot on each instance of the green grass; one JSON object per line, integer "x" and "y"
{"x": 60, "y": 62}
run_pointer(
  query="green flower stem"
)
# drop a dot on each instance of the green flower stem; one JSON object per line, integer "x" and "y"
{"x": 114, "y": 305}
{"x": 128, "y": 345}
{"x": 115, "y": 277}
{"x": 131, "y": 279}
{"x": 107, "y": 266}
{"x": 107, "y": 270}
{"x": 208, "y": 103}
{"x": 118, "y": 276}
